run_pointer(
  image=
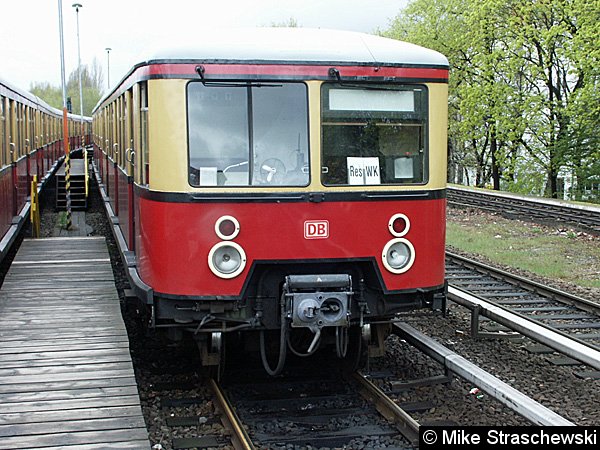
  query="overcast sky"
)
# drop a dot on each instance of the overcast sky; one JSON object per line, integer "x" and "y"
{"x": 30, "y": 45}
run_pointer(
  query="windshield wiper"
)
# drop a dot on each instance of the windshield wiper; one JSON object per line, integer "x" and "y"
{"x": 209, "y": 83}
{"x": 335, "y": 73}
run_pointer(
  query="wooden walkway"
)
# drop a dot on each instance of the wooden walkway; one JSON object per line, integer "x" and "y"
{"x": 77, "y": 168}
{"x": 66, "y": 377}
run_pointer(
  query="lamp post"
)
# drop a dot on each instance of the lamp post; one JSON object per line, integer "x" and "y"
{"x": 108, "y": 49}
{"x": 77, "y": 6}
{"x": 65, "y": 124}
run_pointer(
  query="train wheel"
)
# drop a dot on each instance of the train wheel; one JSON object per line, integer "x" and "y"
{"x": 218, "y": 347}
{"x": 212, "y": 354}
{"x": 358, "y": 346}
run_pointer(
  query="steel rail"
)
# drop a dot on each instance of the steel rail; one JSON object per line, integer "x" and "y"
{"x": 530, "y": 285}
{"x": 240, "y": 439}
{"x": 501, "y": 391}
{"x": 408, "y": 426}
{"x": 549, "y": 202}
{"x": 530, "y": 328}
{"x": 585, "y": 216}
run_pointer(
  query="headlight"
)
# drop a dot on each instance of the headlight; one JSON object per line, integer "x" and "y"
{"x": 399, "y": 224}
{"x": 227, "y": 259}
{"x": 227, "y": 227}
{"x": 398, "y": 255}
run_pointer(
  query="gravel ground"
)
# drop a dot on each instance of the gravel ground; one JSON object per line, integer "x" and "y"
{"x": 164, "y": 370}
{"x": 556, "y": 387}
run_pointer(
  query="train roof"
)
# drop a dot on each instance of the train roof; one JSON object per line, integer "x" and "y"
{"x": 300, "y": 45}
{"x": 8, "y": 89}
{"x": 295, "y": 46}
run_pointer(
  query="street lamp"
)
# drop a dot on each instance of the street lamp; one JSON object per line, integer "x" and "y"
{"x": 77, "y": 6}
{"x": 65, "y": 123}
{"x": 108, "y": 49}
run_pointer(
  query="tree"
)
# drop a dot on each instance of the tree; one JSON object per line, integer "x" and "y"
{"x": 290, "y": 23}
{"x": 524, "y": 84}
{"x": 91, "y": 82}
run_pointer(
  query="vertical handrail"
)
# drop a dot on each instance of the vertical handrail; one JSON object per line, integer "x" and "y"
{"x": 35, "y": 208}
{"x": 85, "y": 164}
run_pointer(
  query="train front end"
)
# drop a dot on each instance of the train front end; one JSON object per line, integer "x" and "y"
{"x": 300, "y": 199}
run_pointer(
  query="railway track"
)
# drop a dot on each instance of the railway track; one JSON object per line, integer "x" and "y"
{"x": 561, "y": 314}
{"x": 586, "y": 217}
{"x": 319, "y": 408}
{"x": 316, "y": 405}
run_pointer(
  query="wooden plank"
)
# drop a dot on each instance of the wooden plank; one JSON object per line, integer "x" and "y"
{"x": 37, "y": 300}
{"x": 83, "y": 277}
{"x": 90, "y": 315}
{"x": 76, "y": 403}
{"x": 99, "y": 288}
{"x": 66, "y": 361}
{"x": 46, "y": 386}
{"x": 55, "y": 303}
{"x": 58, "y": 308}
{"x": 66, "y": 394}
{"x": 67, "y": 333}
{"x": 102, "y": 290}
{"x": 57, "y": 327}
{"x": 69, "y": 414}
{"x": 61, "y": 269}
{"x": 64, "y": 439}
{"x": 38, "y": 287}
{"x": 74, "y": 293}
{"x": 71, "y": 426}
{"x": 72, "y": 344}
{"x": 87, "y": 375}
{"x": 135, "y": 444}
{"x": 49, "y": 322}
{"x": 66, "y": 368}
{"x": 64, "y": 354}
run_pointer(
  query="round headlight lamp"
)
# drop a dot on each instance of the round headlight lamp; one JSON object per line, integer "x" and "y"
{"x": 398, "y": 255}
{"x": 399, "y": 224}
{"x": 227, "y": 259}
{"x": 227, "y": 227}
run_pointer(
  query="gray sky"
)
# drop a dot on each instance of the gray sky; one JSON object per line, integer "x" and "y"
{"x": 30, "y": 46}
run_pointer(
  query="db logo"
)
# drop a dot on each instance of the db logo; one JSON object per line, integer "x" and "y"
{"x": 316, "y": 229}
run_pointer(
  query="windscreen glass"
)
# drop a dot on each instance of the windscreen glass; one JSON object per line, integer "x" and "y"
{"x": 246, "y": 134}
{"x": 374, "y": 135}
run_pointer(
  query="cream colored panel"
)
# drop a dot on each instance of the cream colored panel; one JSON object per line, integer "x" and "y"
{"x": 167, "y": 139}
{"x": 438, "y": 135}
{"x": 314, "y": 130}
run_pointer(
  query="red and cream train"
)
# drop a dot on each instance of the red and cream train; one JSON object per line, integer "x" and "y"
{"x": 287, "y": 184}
{"x": 31, "y": 143}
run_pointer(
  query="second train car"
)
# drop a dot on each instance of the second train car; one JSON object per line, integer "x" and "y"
{"x": 287, "y": 185}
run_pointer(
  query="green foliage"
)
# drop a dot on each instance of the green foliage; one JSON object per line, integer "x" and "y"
{"x": 91, "y": 83}
{"x": 50, "y": 94}
{"x": 290, "y": 23}
{"x": 524, "y": 84}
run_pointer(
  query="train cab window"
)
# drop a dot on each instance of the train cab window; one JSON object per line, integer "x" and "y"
{"x": 374, "y": 134}
{"x": 243, "y": 134}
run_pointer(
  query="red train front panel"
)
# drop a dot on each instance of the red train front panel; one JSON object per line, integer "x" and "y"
{"x": 174, "y": 240}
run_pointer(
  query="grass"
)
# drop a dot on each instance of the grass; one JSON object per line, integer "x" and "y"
{"x": 559, "y": 254}
{"x": 62, "y": 219}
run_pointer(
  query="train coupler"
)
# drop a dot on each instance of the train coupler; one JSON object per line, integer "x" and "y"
{"x": 317, "y": 301}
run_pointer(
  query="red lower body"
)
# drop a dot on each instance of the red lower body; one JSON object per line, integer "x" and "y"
{"x": 173, "y": 240}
